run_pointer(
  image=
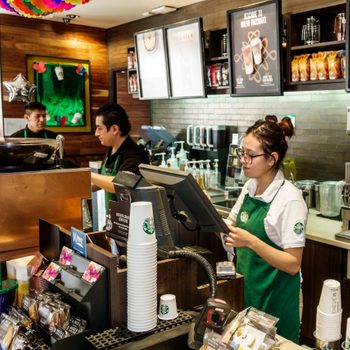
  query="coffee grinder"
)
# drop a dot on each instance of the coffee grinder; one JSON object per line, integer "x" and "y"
{"x": 345, "y": 210}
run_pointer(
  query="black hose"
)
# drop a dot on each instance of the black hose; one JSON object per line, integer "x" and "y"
{"x": 203, "y": 262}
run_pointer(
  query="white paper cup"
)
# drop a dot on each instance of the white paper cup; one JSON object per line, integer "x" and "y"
{"x": 321, "y": 344}
{"x": 328, "y": 326}
{"x": 167, "y": 307}
{"x": 59, "y": 73}
{"x": 330, "y": 300}
{"x": 141, "y": 223}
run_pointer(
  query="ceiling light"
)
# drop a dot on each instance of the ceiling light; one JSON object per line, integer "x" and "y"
{"x": 147, "y": 14}
{"x": 161, "y": 10}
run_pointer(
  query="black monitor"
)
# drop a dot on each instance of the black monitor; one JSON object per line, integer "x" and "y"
{"x": 186, "y": 195}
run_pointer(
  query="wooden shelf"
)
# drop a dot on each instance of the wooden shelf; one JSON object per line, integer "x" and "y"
{"x": 315, "y": 85}
{"x": 325, "y": 44}
{"x": 218, "y": 59}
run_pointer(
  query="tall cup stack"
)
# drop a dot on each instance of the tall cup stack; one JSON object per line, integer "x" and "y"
{"x": 142, "y": 269}
{"x": 329, "y": 312}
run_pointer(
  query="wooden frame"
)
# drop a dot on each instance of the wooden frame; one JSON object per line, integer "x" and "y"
{"x": 54, "y": 77}
{"x": 152, "y": 65}
{"x": 254, "y": 49}
{"x": 186, "y": 58}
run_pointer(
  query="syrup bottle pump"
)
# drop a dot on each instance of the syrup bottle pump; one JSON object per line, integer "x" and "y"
{"x": 163, "y": 163}
{"x": 181, "y": 155}
{"x": 172, "y": 161}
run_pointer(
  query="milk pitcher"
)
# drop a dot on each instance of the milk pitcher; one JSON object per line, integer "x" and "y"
{"x": 331, "y": 198}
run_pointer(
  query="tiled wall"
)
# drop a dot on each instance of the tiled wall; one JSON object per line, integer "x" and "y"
{"x": 320, "y": 146}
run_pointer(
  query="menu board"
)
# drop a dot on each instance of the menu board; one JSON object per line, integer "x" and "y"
{"x": 186, "y": 63}
{"x": 254, "y": 41}
{"x": 152, "y": 64}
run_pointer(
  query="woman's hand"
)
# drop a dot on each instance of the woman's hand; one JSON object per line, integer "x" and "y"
{"x": 239, "y": 237}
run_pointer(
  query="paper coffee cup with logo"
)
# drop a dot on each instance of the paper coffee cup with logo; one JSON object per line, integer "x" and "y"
{"x": 59, "y": 72}
{"x": 141, "y": 223}
{"x": 167, "y": 307}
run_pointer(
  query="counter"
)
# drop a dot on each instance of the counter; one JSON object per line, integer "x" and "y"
{"x": 322, "y": 230}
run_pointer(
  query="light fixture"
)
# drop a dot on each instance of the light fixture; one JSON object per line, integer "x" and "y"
{"x": 161, "y": 10}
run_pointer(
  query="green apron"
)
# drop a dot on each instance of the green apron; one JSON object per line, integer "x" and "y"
{"x": 266, "y": 288}
{"x": 26, "y": 134}
{"x": 104, "y": 171}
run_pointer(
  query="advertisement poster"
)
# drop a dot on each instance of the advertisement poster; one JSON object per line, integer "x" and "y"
{"x": 255, "y": 50}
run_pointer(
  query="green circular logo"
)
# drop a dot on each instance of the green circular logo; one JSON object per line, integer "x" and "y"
{"x": 298, "y": 228}
{"x": 148, "y": 226}
{"x": 164, "y": 309}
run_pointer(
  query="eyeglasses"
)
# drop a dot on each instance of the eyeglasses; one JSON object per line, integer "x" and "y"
{"x": 248, "y": 158}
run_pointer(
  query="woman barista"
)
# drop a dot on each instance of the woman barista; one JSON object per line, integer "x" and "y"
{"x": 268, "y": 227}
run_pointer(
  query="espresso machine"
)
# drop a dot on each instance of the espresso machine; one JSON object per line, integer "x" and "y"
{"x": 345, "y": 210}
{"x": 210, "y": 142}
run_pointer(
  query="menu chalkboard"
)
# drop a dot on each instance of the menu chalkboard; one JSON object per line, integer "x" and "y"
{"x": 254, "y": 49}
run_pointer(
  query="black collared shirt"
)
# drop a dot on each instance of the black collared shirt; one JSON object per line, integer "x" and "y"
{"x": 42, "y": 134}
{"x": 129, "y": 155}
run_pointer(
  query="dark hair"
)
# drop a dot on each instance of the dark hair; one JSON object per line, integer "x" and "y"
{"x": 114, "y": 114}
{"x": 272, "y": 136}
{"x": 32, "y": 106}
{"x": 271, "y": 117}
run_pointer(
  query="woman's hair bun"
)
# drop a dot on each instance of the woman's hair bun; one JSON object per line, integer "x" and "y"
{"x": 271, "y": 118}
{"x": 287, "y": 126}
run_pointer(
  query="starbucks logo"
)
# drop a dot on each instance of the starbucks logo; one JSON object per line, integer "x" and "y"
{"x": 298, "y": 228}
{"x": 164, "y": 309}
{"x": 108, "y": 224}
{"x": 244, "y": 217}
{"x": 148, "y": 226}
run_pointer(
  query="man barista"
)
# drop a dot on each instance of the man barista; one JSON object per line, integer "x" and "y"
{"x": 35, "y": 114}
{"x": 112, "y": 129}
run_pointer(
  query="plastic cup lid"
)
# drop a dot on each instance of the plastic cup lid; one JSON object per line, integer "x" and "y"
{"x": 8, "y": 286}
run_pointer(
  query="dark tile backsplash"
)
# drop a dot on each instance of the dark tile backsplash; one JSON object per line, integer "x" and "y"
{"x": 320, "y": 146}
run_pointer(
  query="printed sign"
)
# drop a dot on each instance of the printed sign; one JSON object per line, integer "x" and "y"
{"x": 255, "y": 49}
{"x": 78, "y": 239}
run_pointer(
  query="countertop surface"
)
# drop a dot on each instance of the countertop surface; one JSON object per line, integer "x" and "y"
{"x": 323, "y": 230}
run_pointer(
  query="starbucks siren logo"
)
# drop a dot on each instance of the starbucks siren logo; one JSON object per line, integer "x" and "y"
{"x": 298, "y": 228}
{"x": 164, "y": 309}
{"x": 244, "y": 217}
{"x": 148, "y": 226}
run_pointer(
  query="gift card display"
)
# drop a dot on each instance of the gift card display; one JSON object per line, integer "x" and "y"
{"x": 93, "y": 272}
{"x": 66, "y": 256}
{"x": 51, "y": 272}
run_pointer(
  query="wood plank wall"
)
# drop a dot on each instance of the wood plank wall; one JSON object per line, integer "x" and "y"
{"x": 21, "y": 36}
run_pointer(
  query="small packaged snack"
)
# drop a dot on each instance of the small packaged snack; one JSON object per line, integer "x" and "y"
{"x": 313, "y": 67}
{"x": 334, "y": 65}
{"x": 322, "y": 65}
{"x": 304, "y": 67}
{"x": 295, "y": 69}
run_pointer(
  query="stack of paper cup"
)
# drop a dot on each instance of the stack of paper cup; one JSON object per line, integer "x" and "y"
{"x": 142, "y": 269}
{"x": 329, "y": 312}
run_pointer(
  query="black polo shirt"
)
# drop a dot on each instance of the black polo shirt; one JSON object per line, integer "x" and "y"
{"x": 130, "y": 156}
{"x": 42, "y": 134}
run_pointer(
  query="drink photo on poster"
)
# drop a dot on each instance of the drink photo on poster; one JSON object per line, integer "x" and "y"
{"x": 254, "y": 38}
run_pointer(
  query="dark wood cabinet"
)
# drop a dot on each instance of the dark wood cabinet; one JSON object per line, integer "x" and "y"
{"x": 216, "y": 61}
{"x": 132, "y": 72}
{"x": 320, "y": 262}
{"x": 296, "y": 27}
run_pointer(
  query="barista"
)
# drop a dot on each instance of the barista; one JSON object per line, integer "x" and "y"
{"x": 112, "y": 129}
{"x": 35, "y": 114}
{"x": 268, "y": 227}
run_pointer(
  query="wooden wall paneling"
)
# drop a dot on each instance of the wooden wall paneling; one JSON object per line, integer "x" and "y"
{"x": 22, "y": 36}
{"x": 137, "y": 110}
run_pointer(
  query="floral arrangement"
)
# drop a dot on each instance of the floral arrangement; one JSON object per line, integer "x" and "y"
{"x": 39, "y": 8}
